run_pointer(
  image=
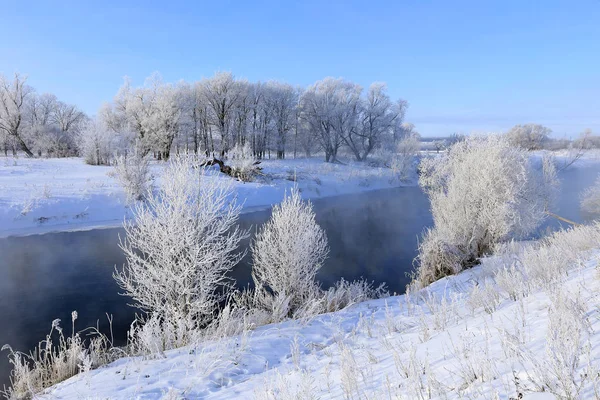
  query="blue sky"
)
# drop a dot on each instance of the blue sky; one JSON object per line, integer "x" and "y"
{"x": 462, "y": 65}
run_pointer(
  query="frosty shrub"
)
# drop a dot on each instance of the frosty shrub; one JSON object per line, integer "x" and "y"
{"x": 155, "y": 334}
{"x": 482, "y": 192}
{"x": 181, "y": 244}
{"x": 549, "y": 262}
{"x": 95, "y": 143}
{"x": 53, "y": 361}
{"x": 345, "y": 293}
{"x": 402, "y": 161}
{"x": 133, "y": 173}
{"x": 289, "y": 250}
{"x": 567, "y": 350}
{"x": 437, "y": 258}
{"x": 242, "y": 162}
{"x": 590, "y": 201}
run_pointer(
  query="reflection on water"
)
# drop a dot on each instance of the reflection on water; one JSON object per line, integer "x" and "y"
{"x": 371, "y": 235}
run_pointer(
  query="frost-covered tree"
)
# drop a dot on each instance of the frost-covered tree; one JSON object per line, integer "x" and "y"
{"x": 378, "y": 116}
{"x": 289, "y": 250}
{"x": 330, "y": 109}
{"x": 283, "y": 101}
{"x": 95, "y": 143}
{"x": 132, "y": 171}
{"x": 195, "y": 123}
{"x": 483, "y": 191}
{"x": 58, "y": 137}
{"x": 40, "y": 110}
{"x": 404, "y": 158}
{"x": 529, "y": 136}
{"x": 221, "y": 92}
{"x": 151, "y": 111}
{"x": 181, "y": 244}
{"x": 590, "y": 200}
{"x": 13, "y": 105}
{"x": 242, "y": 162}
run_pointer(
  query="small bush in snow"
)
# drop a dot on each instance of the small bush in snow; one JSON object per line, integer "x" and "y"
{"x": 513, "y": 281}
{"x": 590, "y": 201}
{"x": 345, "y": 293}
{"x": 402, "y": 162}
{"x": 242, "y": 162}
{"x": 482, "y": 192}
{"x": 181, "y": 244}
{"x": 484, "y": 296}
{"x": 133, "y": 173}
{"x": 52, "y": 361}
{"x": 289, "y": 250}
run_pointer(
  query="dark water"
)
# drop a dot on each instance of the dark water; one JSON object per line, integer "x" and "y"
{"x": 43, "y": 277}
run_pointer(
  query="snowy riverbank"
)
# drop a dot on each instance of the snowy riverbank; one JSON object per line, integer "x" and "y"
{"x": 464, "y": 336}
{"x": 44, "y": 195}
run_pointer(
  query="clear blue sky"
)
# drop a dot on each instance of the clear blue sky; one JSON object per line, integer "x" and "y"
{"x": 463, "y": 65}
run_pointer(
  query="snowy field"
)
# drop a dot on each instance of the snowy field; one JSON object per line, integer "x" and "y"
{"x": 43, "y": 195}
{"x": 470, "y": 336}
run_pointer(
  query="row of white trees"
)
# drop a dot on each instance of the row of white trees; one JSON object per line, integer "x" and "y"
{"x": 537, "y": 137}
{"x": 214, "y": 115}
{"x": 36, "y": 123}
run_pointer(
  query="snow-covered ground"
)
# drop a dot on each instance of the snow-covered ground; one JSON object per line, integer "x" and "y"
{"x": 454, "y": 339}
{"x": 41, "y": 195}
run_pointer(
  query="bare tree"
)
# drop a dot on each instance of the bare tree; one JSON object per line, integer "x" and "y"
{"x": 13, "y": 98}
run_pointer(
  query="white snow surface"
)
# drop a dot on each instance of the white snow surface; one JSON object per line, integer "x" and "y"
{"x": 380, "y": 349}
{"x": 42, "y": 195}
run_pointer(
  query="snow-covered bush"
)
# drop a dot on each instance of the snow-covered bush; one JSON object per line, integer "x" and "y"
{"x": 513, "y": 281}
{"x": 289, "y": 250}
{"x": 155, "y": 334}
{"x": 437, "y": 258}
{"x": 590, "y": 201}
{"x": 95, "y": 143}
{"x": 345, "y": 293}
{"x": 482, "y": 192}
{"x": 133, "y": 173}
{"x": 242, "y": 162}
{"x": 181, "y": 244}
{"x": 402, "y": 161}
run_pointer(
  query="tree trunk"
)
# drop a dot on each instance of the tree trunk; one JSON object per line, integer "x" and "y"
{"x": 24, "y": 146}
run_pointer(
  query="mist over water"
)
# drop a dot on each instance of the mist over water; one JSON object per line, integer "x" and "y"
{"x": 372, "y": 235}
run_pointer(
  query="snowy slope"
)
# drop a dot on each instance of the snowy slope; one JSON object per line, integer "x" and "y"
{"x": 437, "y": 343}
{"x": 41, "y": 195}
